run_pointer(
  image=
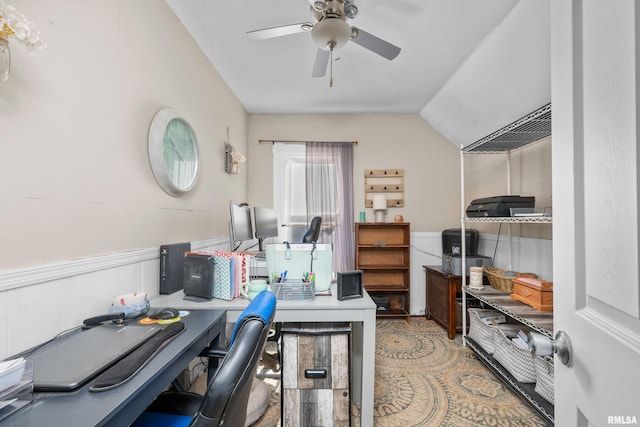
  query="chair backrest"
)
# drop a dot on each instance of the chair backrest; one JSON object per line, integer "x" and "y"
{"x": 313, "y": 232}
{"x": 263, "y": 305}
{"x": 228, "y": 391}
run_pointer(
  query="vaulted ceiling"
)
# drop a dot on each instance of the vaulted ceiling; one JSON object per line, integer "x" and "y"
{"x": 467, "y": 67}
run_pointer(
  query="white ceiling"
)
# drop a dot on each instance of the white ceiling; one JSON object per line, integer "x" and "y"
{"x": 468, "y": 67}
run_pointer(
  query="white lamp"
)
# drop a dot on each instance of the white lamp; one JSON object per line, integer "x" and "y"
{"x": 379, "y": 206}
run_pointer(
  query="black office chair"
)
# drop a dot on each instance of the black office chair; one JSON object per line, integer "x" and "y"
{"x": 226, "y": 399}
{"x": 312, "y": 234}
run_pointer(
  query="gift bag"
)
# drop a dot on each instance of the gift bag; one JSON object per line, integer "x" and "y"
{"x": 224, "y": 277}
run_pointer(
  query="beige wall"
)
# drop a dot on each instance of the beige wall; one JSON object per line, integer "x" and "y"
{"x": 431, "y": 164}
{"x": 432, "y": 173}
{"x": 74, "y": 118}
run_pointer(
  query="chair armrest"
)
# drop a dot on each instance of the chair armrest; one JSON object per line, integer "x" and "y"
{"x": 215, "y": 352}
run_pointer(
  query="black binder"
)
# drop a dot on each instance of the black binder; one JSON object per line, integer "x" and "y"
{"x": 172, "y": 267}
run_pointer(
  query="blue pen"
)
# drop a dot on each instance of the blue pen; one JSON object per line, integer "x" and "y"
{"x": 282, "y": 276}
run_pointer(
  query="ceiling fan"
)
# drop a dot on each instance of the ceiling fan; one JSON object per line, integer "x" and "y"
{"x": 330, "y": 31}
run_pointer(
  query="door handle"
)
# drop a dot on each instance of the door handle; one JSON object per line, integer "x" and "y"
{"x": 561, "y": 346}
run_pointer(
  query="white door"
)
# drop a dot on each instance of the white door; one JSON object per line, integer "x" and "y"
{"x": 595, "y": 47}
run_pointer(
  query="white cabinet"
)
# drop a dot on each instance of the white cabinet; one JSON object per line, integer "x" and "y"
{"x": 517, "y": 135}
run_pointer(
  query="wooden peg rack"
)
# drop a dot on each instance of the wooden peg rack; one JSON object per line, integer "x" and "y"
{"x": 387, "y": 181}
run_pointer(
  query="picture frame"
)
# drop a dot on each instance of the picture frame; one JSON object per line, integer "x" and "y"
{"x": 349, "y": 285}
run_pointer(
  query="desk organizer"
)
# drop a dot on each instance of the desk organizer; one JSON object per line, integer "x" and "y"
{"x": 294, "y": 290}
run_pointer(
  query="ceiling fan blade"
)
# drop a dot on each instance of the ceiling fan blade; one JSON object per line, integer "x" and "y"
{"x": 374, "y": 44}
{"x": 321, "y": 62}
{"x": 283, "y": 30}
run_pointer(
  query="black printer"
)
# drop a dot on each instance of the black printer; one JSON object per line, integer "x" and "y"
{"x": 498, "y": 205}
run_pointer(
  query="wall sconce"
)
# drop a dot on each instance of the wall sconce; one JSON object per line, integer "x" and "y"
{"x": 379, "y": 206}
{"x": 232, "y": 159}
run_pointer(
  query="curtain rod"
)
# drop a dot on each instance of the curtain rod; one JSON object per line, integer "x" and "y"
{"x": 273, "y": 141}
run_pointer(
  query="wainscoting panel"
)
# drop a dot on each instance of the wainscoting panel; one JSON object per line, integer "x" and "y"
{"x": 527, "y": 255}
{"x": 38, "y": 303}
{"x": 426, "y": 249}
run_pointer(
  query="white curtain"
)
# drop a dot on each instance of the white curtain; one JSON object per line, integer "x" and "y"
{"x": 329, "y": 194}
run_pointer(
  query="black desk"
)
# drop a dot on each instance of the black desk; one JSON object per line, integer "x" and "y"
{"x": 122, "y": 405}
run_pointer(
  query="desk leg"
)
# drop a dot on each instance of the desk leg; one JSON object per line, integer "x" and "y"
{"x": 213, "y": 362}
{"x": 356, "y": 361}
{"x": 363, "y": 366}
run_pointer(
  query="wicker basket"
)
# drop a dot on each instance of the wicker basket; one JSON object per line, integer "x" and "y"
{"x": 544, "y": 377}
{"x": 516, "y": 360}
{"x": 503, "y": 279}
{"x": 483, "y": 333}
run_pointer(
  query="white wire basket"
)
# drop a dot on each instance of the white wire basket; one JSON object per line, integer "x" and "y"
{"x": 294, "y": 290}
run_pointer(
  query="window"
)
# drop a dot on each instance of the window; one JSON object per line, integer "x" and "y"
{"x": 316, "y": 179}
{"x": 289, "y": 190}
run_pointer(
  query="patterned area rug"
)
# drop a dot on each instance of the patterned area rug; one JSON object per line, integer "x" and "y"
{"x": 424, "y": 379}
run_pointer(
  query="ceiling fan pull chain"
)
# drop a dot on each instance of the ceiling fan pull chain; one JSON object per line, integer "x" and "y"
{"x": 331, "y": 68}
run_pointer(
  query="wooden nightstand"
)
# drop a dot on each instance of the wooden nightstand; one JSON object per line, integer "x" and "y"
{"x": 443, "y": 291}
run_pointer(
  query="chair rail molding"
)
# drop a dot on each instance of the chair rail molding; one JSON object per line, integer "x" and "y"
{"x": 12, "y": 279}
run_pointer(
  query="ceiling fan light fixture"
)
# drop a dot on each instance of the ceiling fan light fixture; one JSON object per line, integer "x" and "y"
{"x": 331, "y": 33}
{"x": 350, "y": 10}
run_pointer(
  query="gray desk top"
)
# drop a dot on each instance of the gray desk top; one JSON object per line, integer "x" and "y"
{"x": 121, "y": 405}
{"x": 353, "y": 310}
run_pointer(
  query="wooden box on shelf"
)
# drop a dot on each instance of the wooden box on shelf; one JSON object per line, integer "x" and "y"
{"x": 382, "y": 253}
{"x": 533, "y": 292}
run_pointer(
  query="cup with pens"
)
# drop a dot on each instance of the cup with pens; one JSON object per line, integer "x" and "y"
{"x": 279, "y": 278}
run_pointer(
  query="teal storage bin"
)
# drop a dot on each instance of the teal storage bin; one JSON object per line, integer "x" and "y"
{"x": 299, "y": 259}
